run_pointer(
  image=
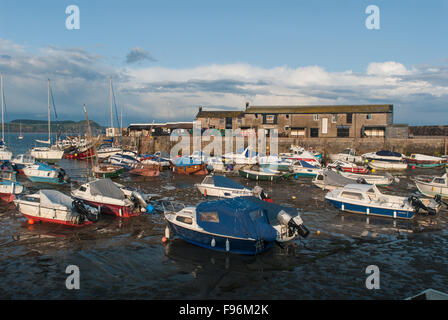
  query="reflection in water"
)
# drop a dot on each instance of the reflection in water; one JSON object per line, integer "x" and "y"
{"x": 125, "y": 258}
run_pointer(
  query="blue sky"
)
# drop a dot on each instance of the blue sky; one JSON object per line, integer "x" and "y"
{"x": 223, "y": 53}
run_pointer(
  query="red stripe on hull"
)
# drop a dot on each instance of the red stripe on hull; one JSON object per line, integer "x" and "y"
{"x": 67, "y": 223}
{"x": 8, "y": 197}
{"x": 113, "y": 209}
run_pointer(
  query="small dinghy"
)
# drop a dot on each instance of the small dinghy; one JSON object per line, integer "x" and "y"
{"x": 21, "y": 161}
{"x": 188, "y": 165}
{"x": 379, "y": 180}
{"x": 262, "y": 174}
{"x": 56, "y": 207}
{"x": 242, "y": 156}
{"x": 111, "y": 198}
{"x": 301, "y": 168}
{"x": 367, "y": 199}
{"x": 104, "y": 170}
{"x": 329, "y": 179}
{"x": 433, "y": 186}
{"x": 387, "y": 165}
{"x": 347, "y": 167}
{"x": 243, "y": 225}
{"x": 9, "y": 186}
{"x": 424, "y": 161}
{"x": 348, "y": 155}
{"x": 223, "y": 187}
{"x": 43, "y": 172}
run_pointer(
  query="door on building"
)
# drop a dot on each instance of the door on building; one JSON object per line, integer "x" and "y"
{"x": 324, "y": 125}
{"x": 229, "y": 122}
{"x": 314, "y": 132}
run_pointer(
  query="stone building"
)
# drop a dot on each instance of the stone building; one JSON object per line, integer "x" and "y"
{"x": 157, "y": 129}
{"x": 305, "y": 121}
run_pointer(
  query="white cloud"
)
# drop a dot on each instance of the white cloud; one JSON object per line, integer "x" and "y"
{"x": 389, "y": 68}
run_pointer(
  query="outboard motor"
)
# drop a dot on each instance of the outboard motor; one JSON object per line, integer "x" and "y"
{"x": 138, "y": 200}
{"x": 418, "y": 204}
{"x": 294, "y": 224}
{"x": 361, "y": 181}
{"x": 263, "y": 196}
{"x": 86, "y": 212}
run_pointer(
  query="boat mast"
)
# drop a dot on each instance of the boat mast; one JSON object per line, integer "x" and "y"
{"x": 3, "y": 126}
{"x": 49, "y": 131}
{"x": 110, "y": 97}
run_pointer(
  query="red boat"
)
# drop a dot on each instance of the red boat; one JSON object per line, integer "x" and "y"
{"x": 81, "y": 153}
{"x": 147, "y": 170}
{"x": 347, "y": 167}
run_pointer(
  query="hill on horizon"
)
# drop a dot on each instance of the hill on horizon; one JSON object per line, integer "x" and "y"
{"x": 61, "y": 126}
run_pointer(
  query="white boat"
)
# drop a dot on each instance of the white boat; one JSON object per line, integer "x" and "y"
{"x": 367, "y": 199}
{"x": 299, "y": 153}
{"x": 55, "y": 207}
{"x": 5, "y": 154}
{"x": 329, "y": 179}
{"x": 386, "y": 165}
{"x": 379, "y": 180}
{"x": 123, "y": 160}
{"x": 383, "y": 155}
{"x": 106, "y": 151}
{"x": 223, "y": 187}
{"x": 111, "y": 198}
{"x": 301, "y": 168}
{"x": 274, "y": 162}
{"x": 51, "y": 153}
{"x": 21, "y": 161}
{"x": 9, "y": 186}
{"x": 347, "y": 154}
{"x": 244, "y": 157}
{"x": 425, "y": 161}
{"x": 433, "y": 186}
{"x": 43, "y": 172}
{"x": 347, "y": 166}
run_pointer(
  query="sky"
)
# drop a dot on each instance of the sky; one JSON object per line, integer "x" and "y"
{"x": 167, "y": 58}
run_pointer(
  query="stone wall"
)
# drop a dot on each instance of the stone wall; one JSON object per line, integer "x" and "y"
{"x": 427, "y": 145}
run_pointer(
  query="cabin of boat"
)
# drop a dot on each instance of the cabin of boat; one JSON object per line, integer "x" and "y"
{"x": 433, "y": 186}
{"x": 302, "y": 168}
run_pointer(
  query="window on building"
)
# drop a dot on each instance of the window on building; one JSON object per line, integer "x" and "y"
{"x": 269, "y": 119}
{"x": 316, "y": 117}
{"x": 334, "y": 118}
{"x": 229, "y": 122}
{"x": 349, "y": 117}
{"x": 343, "y": 132}
{"x": 314, "y": 132}
{"x": 287, "y": 116}
{"x": 369, "y": 116}
{"x": 298, "y": 132}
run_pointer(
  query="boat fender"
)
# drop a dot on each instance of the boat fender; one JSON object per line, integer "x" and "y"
{"x": 149, "y": 208}
{"x": 213, "y": 243}
{"x": 227, "y": 245}
{"x": 167, "y": 232}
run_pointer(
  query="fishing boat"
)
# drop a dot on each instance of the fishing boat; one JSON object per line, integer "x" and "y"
{"x": 55, "y": 207}
{"x": 145, "y": 169}
{"x": 223, "y": 187}
{"x": 111, "y": 198}
{"x": 274, "y": 162}
{"x": 433, "y": 186}
{"x": 188, "y": 165}
{"x": 5, "y": 154}
{"x": 123, "y": 160}
{"x": 43, "y": 172}
{"x": 262, "y": 174}
{"x": 347, "y": 154}
{"x": 424, "y": 161}
{"x": 301, "y": 168}
{"x": 241, "y": 157}
{"x": 52, "y": 153}
{"x": 367, "y": 199}
{"x": 328, "y": 179}
{"x": 242, "y": 225}
{"x": 347, "y": 166}
{"x": 82, "y": 152}
{"x": 387, "y": 165}
{"x": 21, "y": 161}
{"x": 9, "y": 186}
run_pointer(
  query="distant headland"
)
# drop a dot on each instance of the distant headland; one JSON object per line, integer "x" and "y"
{"x": 65, "y": 127}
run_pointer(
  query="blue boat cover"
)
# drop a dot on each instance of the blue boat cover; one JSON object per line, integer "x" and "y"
{"x": 386, "y": 153}
{"x": 224, "y": 182}
{"x": 186, "y": 161}
{"x": 238, "y": 217}
{"x": 306, "y": 164}
{"x": 271, "y": 209}
{"x": 45, "y": 167}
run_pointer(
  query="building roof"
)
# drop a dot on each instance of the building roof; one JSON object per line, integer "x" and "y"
{"x": 170, "y": 125}
{"x": 369, "y": 108}
{"x": 220, "y": 114}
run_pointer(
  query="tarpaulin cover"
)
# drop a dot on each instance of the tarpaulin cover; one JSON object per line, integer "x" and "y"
{"x": 186, "y": 161}
{"x": 224, "y": 182}
{"x": 54, "y": 199}
{"x": 335, "y": 179}
{"x": 272, "y": 209}
{"x": 238, "y": 217}
{"x": 385, "y": 153}
{"x": 106, "y": 188}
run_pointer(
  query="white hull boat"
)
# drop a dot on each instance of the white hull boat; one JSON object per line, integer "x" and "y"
{"x": 386, "y": 165}
{"x": 330, "y": 180}
{"x": 47, "y": 154}
{"x": 433, "y": 186}
{"x": 348, "y": 155}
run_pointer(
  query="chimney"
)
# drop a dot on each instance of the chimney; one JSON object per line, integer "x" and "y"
{"x": 247, "y": 105}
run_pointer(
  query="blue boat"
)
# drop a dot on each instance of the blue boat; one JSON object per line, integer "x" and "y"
{"x": 242, "y": 225}
{"x": 301, "y": 168}
{"x": 43, "y": 172}
{"x": 367, "y": 199}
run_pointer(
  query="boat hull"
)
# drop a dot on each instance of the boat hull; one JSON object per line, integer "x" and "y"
{"x": 431, "y": 190}
{"x": 212, "y": 191}
{"x": 56, "y": 221}
{"x": 112, "y": 209}
{"x": 204, "y": 240}
{"x": 372, "y": 210}
{"x": 258, "y": 177}
{"x": 190, "y": 169}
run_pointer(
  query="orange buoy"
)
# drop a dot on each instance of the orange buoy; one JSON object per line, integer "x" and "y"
{"x": 164, "y": 239}
{"x": 205, "y": 192}
{"x": 30, "y": 221}
{"x": 413, "y": 167}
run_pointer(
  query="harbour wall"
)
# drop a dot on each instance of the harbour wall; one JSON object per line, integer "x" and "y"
{"x": 425, "y": 145}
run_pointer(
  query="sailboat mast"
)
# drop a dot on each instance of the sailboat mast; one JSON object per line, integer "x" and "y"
{"x": 3, "y": 126}
{"x": 110, "y": 97}
{"x": 49, "y": 131}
